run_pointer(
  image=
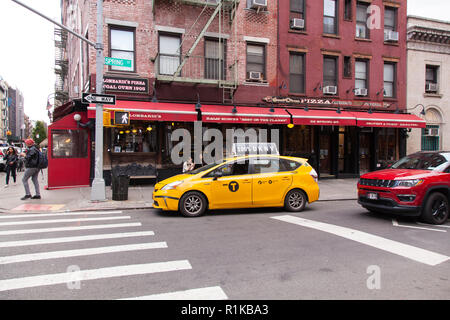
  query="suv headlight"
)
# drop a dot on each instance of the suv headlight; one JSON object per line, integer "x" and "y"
{"x": 408, "y": 183}
{"x": 172, "y": 185}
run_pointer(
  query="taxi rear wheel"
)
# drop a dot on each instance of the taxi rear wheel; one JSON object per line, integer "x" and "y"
{"x": 295, "y": 200}
{"x": 192, "y": 204}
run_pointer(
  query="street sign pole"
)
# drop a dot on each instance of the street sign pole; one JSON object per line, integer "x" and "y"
{"x": 98, "y": 192}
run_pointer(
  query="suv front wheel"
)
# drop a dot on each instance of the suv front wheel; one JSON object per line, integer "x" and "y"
{"x": 436, "y": 209}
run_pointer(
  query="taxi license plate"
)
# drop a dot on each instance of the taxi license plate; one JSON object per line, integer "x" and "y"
{"x": 372, "y": 196}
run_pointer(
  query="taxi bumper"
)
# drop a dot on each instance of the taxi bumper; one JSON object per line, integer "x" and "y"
{"x": 165, "y": 200}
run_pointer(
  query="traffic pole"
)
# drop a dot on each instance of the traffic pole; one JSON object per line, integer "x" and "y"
{"x": 98, "y": 192}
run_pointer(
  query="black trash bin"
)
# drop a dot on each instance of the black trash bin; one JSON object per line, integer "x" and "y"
{"x": 119, "y": 186}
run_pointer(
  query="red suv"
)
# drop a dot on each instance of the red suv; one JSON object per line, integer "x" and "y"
{"x": 417, "y": 185}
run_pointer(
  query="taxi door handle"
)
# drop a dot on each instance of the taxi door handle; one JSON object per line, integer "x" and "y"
{"x": 246, "y": 181}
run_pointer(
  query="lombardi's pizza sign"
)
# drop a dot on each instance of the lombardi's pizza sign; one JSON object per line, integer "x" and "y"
{"x": 326, "y": 102}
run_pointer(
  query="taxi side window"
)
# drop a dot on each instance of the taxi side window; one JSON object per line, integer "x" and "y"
{"x": 265, "y": 165}
{"x": 447, "y": 170}
{"x": 231, "y": 169}
{"x": 289, "y": 165}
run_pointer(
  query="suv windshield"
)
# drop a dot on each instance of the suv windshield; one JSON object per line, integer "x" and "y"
{"x": 423, "y": 161}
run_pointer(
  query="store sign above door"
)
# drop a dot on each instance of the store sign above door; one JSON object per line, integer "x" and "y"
{"x": 326, "y": 102}
{"x": 108, "y": 99}
{"x": 126, "y": 85}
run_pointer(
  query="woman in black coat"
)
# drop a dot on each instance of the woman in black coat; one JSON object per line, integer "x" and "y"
{"x": 11, "y": 164}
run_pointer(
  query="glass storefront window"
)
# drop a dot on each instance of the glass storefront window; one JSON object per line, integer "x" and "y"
{"x": 387, "y": 144}
{"x": 139, "y": 137}
{"x": 69, "y": 144}
{"x": 298, "y": 140}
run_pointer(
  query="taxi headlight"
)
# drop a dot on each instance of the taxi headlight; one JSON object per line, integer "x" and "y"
{"x": 408, "y": 183}
{"x": 172, "y": 185}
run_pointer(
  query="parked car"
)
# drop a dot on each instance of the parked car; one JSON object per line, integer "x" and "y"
{"x": 241, "y": 182}
{"x": 417, "y": 185}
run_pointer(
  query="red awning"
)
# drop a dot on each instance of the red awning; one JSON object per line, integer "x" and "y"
{"x": 322, "y": 117}
{"x": 390, "y": 120}
{"x": 153, "y": 111}
{"x": 259, "y": 115}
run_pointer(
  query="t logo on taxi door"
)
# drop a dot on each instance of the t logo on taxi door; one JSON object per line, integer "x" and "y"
{"x": 233, "y": 186}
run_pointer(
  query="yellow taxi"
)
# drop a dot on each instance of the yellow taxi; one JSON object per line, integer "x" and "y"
{"x": 241, "y": 182}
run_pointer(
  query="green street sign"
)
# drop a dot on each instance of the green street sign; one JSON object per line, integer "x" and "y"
{"x": 117, "y": 62}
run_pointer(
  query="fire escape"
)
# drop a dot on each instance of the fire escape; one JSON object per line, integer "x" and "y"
{"x": 218, "y": 67}
{"x": 61, "y": 66}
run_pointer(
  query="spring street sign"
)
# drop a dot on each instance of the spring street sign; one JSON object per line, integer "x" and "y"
{"x": 118, "y": 62}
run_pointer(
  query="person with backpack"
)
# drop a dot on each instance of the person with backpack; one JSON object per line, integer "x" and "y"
{"x": 32, "y": 159}
{"x": 11, "y": 159}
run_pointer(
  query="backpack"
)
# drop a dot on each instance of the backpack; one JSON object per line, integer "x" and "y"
{"x": 42, "y": 160}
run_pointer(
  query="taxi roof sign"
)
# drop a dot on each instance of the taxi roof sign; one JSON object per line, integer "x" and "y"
{"x": 240, "y": 149}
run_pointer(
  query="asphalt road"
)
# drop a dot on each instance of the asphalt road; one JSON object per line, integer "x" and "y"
{"x": 332, "y": 250}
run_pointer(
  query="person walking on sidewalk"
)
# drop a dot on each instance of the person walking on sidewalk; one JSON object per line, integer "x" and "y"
{"x": 32, "y": 170}
{"x": 11, "y": 159}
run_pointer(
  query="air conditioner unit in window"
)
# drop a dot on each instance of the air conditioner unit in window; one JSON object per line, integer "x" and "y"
{"x": 330, "y": 90}
{"x": 431, "y": 87}
{"x": 390, "y": 35}
{"x": 253, "y": 75}
{"x": 259, "y": 4}
{"x": 361, "y": 92}
{"x": 297, "y": 23}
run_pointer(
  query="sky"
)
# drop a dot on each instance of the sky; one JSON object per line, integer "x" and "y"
{"x": 27, "y": 52}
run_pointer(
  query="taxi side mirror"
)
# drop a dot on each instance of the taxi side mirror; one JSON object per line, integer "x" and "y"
{"x": 217, "y": 175}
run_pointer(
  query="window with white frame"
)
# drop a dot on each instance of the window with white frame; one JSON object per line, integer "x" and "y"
{"x": 169, "y": 53}
{"x": 389, "y": 80}
{"x": 329, "y": 17}
{"x": 122, "y": 46}
{"x": 361, "y": 74}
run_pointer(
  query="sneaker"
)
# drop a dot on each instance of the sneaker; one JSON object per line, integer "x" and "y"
{"x": 6, "y": 186}
{"x": 25, "y": 197}
{"x": 35, "y": 197}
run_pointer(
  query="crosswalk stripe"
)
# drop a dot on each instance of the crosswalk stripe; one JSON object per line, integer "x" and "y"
{"x": 81, "y": 252}
{"x": 209, "y": 293}
{"x": 16, "y": 223}
{"x": 401, "y": 249}
{"x": 22, "y": 243}
{"x": 102, "y": 273}
{"x": 39, "y": 215}
{"x": 76, "y": 228}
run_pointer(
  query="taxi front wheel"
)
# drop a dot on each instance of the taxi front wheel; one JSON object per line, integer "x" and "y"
{"x": 295, "y": 200}
{"x": 192, "y": 204}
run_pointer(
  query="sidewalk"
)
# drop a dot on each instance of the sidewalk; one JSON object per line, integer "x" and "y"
{"x": 139, "y": 197}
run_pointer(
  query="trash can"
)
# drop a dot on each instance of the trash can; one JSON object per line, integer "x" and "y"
{"x": 119, "y": 186}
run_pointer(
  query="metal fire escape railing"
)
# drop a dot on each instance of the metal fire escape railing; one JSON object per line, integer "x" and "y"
{"x": 61, "y": 66}
{"x": 220, "y": 69}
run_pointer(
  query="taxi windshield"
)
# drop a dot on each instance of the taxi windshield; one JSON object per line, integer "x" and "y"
{"x": 201, "y": 169}
{"x": 422, "y": 161}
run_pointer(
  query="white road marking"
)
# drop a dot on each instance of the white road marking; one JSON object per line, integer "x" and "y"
{"x": 77, "y": 228}
{"x": 209, "y": 293}
{"x": 56, "y": 214}
{"x": 80, "y": 252}
{"x": 396, "y": 224}
{"x": 102, "y": 273}
{"x": 16, "y": 223}
{"x": 434, "y": 225}
{"x": 22, "y": 243}
{"x": 401, "y": 249}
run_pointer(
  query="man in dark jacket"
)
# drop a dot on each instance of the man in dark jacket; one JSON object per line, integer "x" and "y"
{"x": 32, "y": 170}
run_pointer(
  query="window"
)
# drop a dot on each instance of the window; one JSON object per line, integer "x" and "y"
{"x": 348, "y": 10}
{"x": 297, "y": 9}
{"x": 69, "y": 144}
{"x": 231, "y": 169}
{"x": 329, "y": 71}
{"x": 347, "y": 67}
{"x": 430, "y": 138}
{"x": 215, "y": 62}
{"x": 362, "y": 31}
{"x": 169, "y": 53}
{"x": 390, "y": 17}
{"x": 289, "y": 165}
{"x": 387, "y": 144}
{"x": 361, "y": 74}
{"x": 329, "y": 16}
{"x": 141, "y": 137}
{"x": 389, "y": 80}
{"x": 261, "y": 165}
{"x": 431, "y": 78}
{"x": 297, "y": 73}
{"x": 256, "y": 59}
{"x": 122, "y": 46}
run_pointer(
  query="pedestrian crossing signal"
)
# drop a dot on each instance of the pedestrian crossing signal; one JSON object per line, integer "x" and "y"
{"x": 121, "y": 118}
